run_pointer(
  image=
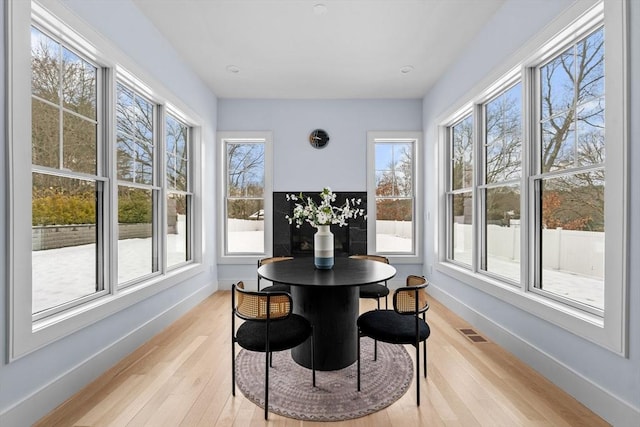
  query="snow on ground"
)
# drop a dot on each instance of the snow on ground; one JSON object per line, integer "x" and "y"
{"x": 65, "y": 274}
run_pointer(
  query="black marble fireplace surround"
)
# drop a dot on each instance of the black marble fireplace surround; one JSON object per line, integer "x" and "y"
{"x": 288, "y": 240}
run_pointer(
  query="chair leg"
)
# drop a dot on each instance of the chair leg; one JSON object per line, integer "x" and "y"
{"x": 418, "y": 371}
{"x": 378, "y": 301}
{"x": 233, "y": 366}
{"x": 266, "y": 385}
{"x": 358, "y": 360}
{"x": 424, "y": 351}
{"x": 271, "y": 359}
{"x": 375, "y": 350}
{"x": 313, "y": 359}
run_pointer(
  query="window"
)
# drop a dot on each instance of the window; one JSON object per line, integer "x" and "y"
{"x": 247, "y": 192}
{"x": 393, "y": 206}
{"x": 137, "y": 189}
{"x": 460, "y": 197}
{"x": 529, "y": 213}
{"x": 179, "y": 196}
{"x": 570, "y": 183}
{"x": 67, "y": 178}
{"x": 105, "y": 170}
{"x": 500, "y": 188}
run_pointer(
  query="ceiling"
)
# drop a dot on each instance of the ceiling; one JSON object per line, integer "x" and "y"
{"x": 320, "y": 49}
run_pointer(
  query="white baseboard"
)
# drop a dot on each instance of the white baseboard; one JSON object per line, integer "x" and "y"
{"x": 612, "y": 409}
{"x": 41, "y": 402}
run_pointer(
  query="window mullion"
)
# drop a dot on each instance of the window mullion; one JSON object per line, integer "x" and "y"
{"x": 160, "y": 223}
{"x": 530, "y": 144}
{"x": 478, "y": 245}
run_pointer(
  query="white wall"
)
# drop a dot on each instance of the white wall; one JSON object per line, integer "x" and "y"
{"x": 341, "y": 165}
{"x": 34, "y": 384}
{"x": 608, "y": 383}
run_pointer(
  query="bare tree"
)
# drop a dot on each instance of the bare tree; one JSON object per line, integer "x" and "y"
{"x": 134, "y": 127}
{"x": 572, "y": 86}
{"x": 503, "y": 150}
{"x": 245, "y": 169}
{"x": 63, "y": 90}
{"x": 394, "y": 185}
{"x": 63, "y": 93}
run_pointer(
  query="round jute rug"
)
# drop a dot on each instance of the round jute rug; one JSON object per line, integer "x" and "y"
{"x": 335, "y": 397}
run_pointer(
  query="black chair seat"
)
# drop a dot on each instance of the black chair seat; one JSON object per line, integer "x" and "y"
{"x": 405, "y": 324}
{"x": 278, "y": 287}
{"x": 391, "y": 327}
{"x": 289, "y": 333}
{"x": 374, "y": 290}
{"x": 264, "y": 312}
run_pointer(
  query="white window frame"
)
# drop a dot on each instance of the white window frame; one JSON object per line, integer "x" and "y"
{"x": 415, "y": 138}
{"x": 266, "y": 138}
{"x": 461, "y": 115}
{"x": 188, "y": 193}
{"x": 27, "y": 333}
{"x": 156, "y": 187}
{"x": 99, "y": 177}
{"x": 508, "y": 81}
{"x": 609, "y": 330}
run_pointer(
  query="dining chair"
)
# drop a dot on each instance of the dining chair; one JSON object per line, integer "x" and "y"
{"x": 275, "y": 287}
{"x": 374, "y": 290}
{"x": 268, "y": 325}
{"x": 402, "y": 325}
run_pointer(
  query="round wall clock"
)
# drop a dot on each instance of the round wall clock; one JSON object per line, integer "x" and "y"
{"x": 318, "y": 138}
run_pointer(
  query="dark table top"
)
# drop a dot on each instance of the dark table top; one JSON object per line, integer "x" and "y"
{"x": 345, "y": 272}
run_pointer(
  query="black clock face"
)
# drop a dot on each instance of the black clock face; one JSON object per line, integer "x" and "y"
{"x": 318, "y": 138}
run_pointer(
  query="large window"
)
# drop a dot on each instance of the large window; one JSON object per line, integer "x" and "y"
{"x": 460, "y": 196}
{"x": 67, "y": 193}
{"x": 137, "y": 189}
{"x": 392, "y": 196}
{"x": 179, "y": 200}
{"x": 500, "y": 188}
{"x": 247, "y": 192}
{"x": 570, "y": 183}
{"x": 101, "y": 183}
{"x": 525, "y": 182}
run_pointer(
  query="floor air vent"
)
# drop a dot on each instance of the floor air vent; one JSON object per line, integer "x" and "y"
{"x": 472, "y": 335}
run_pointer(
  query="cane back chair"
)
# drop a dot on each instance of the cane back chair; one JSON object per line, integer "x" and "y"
{"x": 402, "y": 325}
{"x": 268, "y": 325}
{"x": 375, "y": 290}
{"x": 280, "y": 287}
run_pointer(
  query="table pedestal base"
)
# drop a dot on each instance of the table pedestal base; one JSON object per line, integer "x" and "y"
{"x": 333, "y": 312}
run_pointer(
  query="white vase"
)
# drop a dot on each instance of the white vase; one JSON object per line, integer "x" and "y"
{"x": 323, "y": 248}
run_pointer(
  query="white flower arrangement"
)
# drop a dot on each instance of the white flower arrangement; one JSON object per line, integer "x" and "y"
{"x": 324, "y": 213}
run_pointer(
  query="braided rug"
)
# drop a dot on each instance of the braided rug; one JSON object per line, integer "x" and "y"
{"x": 335, "y": 396}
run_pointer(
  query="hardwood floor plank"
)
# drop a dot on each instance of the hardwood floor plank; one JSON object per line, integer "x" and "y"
{"x": 123, "y": 393}
{"x": 156, "y": 382}
{"x": 182, "y": 377}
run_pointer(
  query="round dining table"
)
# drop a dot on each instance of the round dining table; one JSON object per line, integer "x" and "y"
{"x": 329, "y": 299}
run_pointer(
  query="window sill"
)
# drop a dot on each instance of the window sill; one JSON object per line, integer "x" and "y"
{"x": 53, "y": 328}
{"x": 580, "y": 323}
{"x": 403, "y": 259}
{"x": 241, "y": 259}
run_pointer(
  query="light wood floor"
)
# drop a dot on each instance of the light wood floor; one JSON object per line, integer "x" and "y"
{"x": 182, "y": 377}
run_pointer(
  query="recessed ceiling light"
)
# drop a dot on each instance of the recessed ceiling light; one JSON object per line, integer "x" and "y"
{"x": 233, "y": 69}
{"x": 406, "y": 69}
{"x": 319, "y": 9}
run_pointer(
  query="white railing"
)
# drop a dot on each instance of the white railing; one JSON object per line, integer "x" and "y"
{"x": 244, "y": 225}
{"x": 579, "y": 252}
{"x": 401, "y": 229}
